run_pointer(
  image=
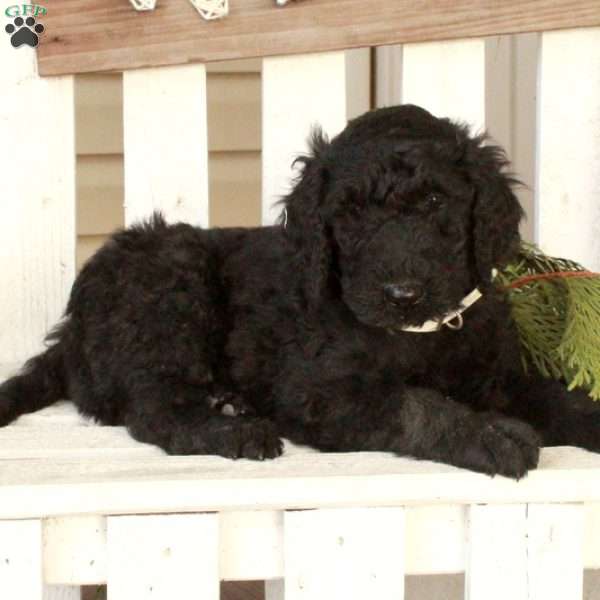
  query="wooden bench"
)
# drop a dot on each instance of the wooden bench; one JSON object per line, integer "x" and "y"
{"x": 81, "y": 504}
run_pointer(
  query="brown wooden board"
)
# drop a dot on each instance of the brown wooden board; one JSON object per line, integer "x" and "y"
{"x": 108, "y": 35}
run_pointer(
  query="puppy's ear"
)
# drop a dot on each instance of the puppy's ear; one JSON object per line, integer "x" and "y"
{"x": 305, "y": 224}
{"x": 497, "y": 212}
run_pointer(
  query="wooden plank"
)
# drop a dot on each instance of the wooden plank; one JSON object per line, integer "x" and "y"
{"x": 496, "y": 566}
{"x": 251, "y": 545}
{"x": 37, "y": 229}
{"x": 569, "y": 147}
{"x": 447, "y": 78}
{"x": 95, "y": 35}
{"x": 126, "y": 485}
{"x": 74, "y": 550}
{"x": 166, "y": 157}
{"x": 346, "y": 553}
{"x": 436, "y": 539}
{"x": 163, "y": 557}
{"x": 298, "y": 93}
{"x": 554, "y": 551}
{"x": 21, "y": 560}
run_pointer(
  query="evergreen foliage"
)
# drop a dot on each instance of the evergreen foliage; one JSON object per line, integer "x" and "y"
{"x": 556, "y": 305}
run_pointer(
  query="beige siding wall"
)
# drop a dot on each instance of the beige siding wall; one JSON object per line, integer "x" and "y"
{"x": 234, "y": 144}
{"x": 234, "y": 139}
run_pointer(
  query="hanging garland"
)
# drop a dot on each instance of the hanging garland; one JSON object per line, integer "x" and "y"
{"x": 556, "y": 306}
{"x": 208, "y": 9}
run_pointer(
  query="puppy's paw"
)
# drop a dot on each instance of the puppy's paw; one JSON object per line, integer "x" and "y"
{"x": 502, "y": 446}
{"x": 251, "y": 437}
{"x": 257, "y": 439}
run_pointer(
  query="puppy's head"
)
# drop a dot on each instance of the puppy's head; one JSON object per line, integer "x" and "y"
{"x": 401, "y": 215}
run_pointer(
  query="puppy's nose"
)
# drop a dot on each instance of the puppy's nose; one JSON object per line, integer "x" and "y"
{"x": 403, "y": 293}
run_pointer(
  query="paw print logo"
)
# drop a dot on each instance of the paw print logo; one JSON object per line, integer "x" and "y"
{"x": 24, "y": 31}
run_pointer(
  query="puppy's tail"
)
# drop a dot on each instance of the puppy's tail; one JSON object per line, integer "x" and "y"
{"x": 40, "y": 383}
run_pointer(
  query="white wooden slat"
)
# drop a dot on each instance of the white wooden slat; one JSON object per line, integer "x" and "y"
{"x": 554, "y": 551}
{"x": 251, "y": 545}
{"x": 349, "y": 554}
{"x": 21, "y": 560}
{"x": 568, "y": 184}
{"x": 75, "y": 550}
{"x": 496, "y": 566}
{"x": 298, "y": 92}
{"x": 37, "y": 229}
{"x": 436, "y": 542}
{"x": 163, "y": 557}
{"x": 447, "y": 78}
{"x": 165, "y": 143}
{"x": 436, "y": 539}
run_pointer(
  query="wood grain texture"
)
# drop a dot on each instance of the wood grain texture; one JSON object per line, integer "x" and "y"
{"x": 101, "y": 35}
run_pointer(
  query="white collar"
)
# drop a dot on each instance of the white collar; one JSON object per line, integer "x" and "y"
{"x": 452, "y": 319}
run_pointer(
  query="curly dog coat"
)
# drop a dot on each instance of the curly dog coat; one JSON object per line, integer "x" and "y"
{"x": 222, "y": 341}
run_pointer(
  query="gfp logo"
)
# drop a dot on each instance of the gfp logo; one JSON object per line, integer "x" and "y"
{"x": 24, "y": 29}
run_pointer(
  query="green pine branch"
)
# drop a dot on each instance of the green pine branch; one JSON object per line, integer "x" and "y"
{"x": 558, "y": 319}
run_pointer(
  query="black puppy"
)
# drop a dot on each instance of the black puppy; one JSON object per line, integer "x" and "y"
{"x": 357, "y": 325}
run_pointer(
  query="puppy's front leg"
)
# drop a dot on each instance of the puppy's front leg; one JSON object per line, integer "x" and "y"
{"x": 563, "y": 418}
{"x": 350, "y": 414}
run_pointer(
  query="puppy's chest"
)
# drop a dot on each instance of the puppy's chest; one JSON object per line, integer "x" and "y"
{"x": 440, "y": 359}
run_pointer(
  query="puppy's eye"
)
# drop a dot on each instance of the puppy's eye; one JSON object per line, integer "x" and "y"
{"x": 435, "y": 200}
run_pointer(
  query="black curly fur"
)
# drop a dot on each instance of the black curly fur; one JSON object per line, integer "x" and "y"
{"x": 221, "y": 341}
